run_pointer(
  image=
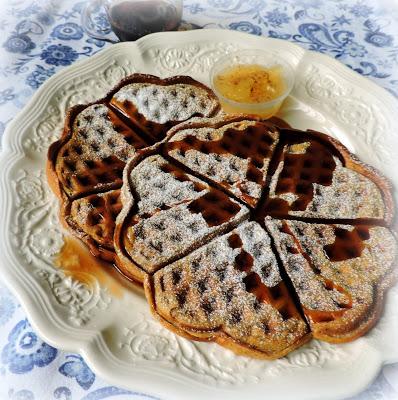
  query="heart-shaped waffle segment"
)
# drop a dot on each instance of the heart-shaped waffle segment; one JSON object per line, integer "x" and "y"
{"x": 95, "y": 215}
{"x": 233, "y": 153}
{"x": 315, "y": 176}
{"x": 155, "y": 106}
{"x": 339, "y": 272}
{"x": 99, "y": 138}
{"x": 170, "y": 213}
{"x": 256, "y": 237}
{"x": 230, "y": 291}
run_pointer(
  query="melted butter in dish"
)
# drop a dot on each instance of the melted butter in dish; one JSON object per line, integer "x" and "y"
{"x": 251, "y": 83}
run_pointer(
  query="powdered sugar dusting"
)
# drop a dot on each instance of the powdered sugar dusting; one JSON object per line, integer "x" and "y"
{"x": 95, "y": 215}
{"x": 257, "y": 243}
{"x": 155, "y": 188}
{"x": 168, "y": 234}
{"x": 161, "y": 104}
{"x": 376, "y": 259}
{"x": 164, "y": 227}
{"x": 228, "y": 169}
{"x": 93, "y": 129}
{"x": 205, "y": 290}
{"x": 349, "y": 286}
{"x": 344, "y": 198}
{"x": 307, "y": 284}
{"x": 96, "y": 152}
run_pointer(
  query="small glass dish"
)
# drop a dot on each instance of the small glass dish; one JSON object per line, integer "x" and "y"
{"x": 253, "y": 58}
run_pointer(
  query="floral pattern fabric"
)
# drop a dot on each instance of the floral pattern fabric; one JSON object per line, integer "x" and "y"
{"x": 40, "y": 37}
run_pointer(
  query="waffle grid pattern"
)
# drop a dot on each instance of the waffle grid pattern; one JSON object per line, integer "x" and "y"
{"x": 104, "y": 135}
{"x": 96, "y": 215}
{"x": 193, "y": 302}
{"x": 198, "y": 192}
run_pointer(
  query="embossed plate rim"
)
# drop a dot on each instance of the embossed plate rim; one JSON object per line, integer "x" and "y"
{"x": 89, "y": 342}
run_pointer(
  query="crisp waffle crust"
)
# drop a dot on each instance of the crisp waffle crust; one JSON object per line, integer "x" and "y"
{"x": 242, "y": 231}
{"x": 256, "y": 237}
{"x": 85, "y": 166}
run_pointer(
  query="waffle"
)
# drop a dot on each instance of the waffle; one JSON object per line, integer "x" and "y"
{"x": 85, "y": 166}
{"x": 156, "y": 105}
{"x": 231, "y": 290}
{"x": 173, "y": 211}
{"x": 256, "y": 236}
{"x": 317, "y": 177}
{"x": 94, "y": 217}
{"x": 234, "y": 154}
{"x": 338, "y": 271}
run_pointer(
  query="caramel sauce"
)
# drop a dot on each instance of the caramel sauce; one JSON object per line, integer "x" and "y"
{"x": 130, "y": 136}
{"x": 278, "y": 296}
{"x": 152, "y": 129}
{"x": 215, "y": 206}
{"x": 252, "y": 143}
{"x": 347, "y": 244}
{"x": 76, "y": 261}
{"x": 323, "y": 316}
{"x": 234, "y": 241}
{"x": 250, "y": 83}
{"x": 279, "y": 122}
{"x": 298, "y": 175}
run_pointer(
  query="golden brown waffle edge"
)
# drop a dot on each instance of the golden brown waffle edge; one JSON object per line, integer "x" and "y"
{"x": 350, "y": 161}
{"x": 54, "y": 149}
{"x": 134, "y": 272}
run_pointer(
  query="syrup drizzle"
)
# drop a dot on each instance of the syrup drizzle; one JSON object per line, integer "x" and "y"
{"x": 131, "y": 137}
{"x": 78, "y": 263}
{"x": 299, "y": 174}
{"x": 278, "y": 296}
{"x": 215, "y": 206}
{"x": 318, "y": 315}
{"x": 327, "y": 316}
{"x": 152, "y": 129}
{"x": 234, "y": 241}
{"x": 253, "y": 143}
{"x": 279, "y": 122}
{"x": 181, "y": 176}
{"x": 347, "y": 244}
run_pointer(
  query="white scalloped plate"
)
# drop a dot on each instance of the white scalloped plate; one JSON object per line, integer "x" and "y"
{"x": 116, "y": 334}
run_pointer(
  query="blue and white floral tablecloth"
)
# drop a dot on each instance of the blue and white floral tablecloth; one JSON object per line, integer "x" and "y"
{"x": 39, "y": 38}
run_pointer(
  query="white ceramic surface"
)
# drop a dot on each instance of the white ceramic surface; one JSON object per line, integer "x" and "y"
{"x": 116, "y": 334}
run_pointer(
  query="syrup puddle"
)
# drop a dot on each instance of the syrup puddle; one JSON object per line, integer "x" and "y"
{"x": 76, "y": 261}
